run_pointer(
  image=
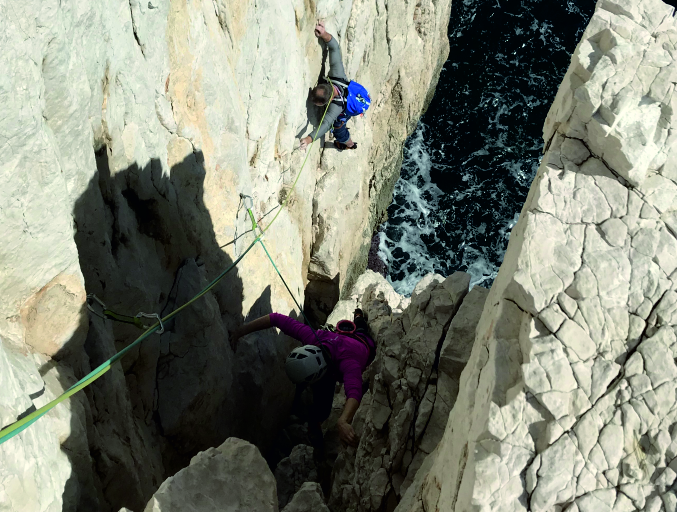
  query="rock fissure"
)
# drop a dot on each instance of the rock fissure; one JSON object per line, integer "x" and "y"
{"x": 140, "y": 174}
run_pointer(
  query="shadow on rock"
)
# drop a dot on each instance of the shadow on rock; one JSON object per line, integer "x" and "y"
{"x": 321, "y": 295}
{"x": 146, "y": 244}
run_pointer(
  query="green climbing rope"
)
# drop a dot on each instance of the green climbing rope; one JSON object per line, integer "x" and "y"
{"x": 20, "y": 425}
{"x": 254, "y": 228}
{"x": 286, "y": 200}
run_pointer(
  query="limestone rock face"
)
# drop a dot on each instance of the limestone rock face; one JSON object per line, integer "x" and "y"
{"x": 402, "y": 418}
{"x": 36, "y": 474}
{"x": 568, "y": 399}
{"x": 129, "y": 131}
{"x": 232, "y": 477}
{"x": 377, "y": 284}
{"x": 307, "y": 499}
{"x": 293, "y": 471}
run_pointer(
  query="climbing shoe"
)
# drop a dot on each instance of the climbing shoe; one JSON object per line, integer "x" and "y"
{"x": 340, "y": 146}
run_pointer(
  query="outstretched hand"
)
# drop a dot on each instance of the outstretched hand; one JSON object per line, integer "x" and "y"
{"x": 253, "y": 326}
{"x": 304, "y": 143}
{"x": 347, "y": 434}
{"x": 319, "y": 29}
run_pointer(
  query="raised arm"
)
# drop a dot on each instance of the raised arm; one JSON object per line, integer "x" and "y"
{"x": 287, "y": 325}
{"x": 294, "y": 328}
{"x": 335, "y": 60}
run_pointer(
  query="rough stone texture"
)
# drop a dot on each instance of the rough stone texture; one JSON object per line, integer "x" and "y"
{"x": 127, "y": 132}
{"x": 38, "y": 474}
{"x": 568, "y": 399}
{"x": 232, "y": 477}
{"x": 308, "y": 499}
{"x": 376, "y": 284}
{"x": 293, "y": 471}
{"x": 402, "y": 417}
{"x": 399, "y": 49}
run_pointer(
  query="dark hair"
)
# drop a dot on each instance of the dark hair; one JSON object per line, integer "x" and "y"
{"x": 321, "y": 94}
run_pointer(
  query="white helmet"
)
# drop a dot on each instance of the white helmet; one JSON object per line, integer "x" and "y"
{"x": 306, "y": 364}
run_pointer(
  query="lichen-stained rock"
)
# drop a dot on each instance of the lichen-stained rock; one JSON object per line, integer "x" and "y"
{"x": 414, "y": 381}
{"x": 568, "y": 399}
{"x": 307, "y": 499}
{"x": 294, "y": 471}
{"x": 232, "y": 477}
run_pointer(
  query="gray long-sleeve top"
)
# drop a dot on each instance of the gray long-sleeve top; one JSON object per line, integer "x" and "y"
{"x": 335, "y": 70}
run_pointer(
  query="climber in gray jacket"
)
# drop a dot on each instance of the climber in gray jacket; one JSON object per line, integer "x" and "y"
{"x": 336, "y": 94}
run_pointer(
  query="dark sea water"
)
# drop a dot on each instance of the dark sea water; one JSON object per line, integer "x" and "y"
{"x": 468, "y": 166}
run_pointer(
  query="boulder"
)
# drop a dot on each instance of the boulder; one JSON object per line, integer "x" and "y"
{"x": 232, "y": 477}
{"x": 294, "y": 471}
{"x": 308, "y": 499}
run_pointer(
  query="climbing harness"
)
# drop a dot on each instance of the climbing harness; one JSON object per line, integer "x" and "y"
{"x": 20, "y": 425}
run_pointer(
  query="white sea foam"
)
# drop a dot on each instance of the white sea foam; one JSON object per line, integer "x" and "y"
{"x": 420, "y": 222}
{"x": 418, "y": 216}
{"x": 483, "y": 146}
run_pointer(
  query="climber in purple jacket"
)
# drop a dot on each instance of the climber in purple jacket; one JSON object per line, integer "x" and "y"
{"x": 324, "y": 358}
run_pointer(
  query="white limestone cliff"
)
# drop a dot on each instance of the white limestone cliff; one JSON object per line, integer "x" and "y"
{"x": 568, "y": 399}
{"x": 128, "y": 131}
{"x": 413, "y": 382}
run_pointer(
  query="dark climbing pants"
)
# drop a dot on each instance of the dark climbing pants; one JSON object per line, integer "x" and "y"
{"x": 341, "y": 133}
{"x": 323, "y": 397}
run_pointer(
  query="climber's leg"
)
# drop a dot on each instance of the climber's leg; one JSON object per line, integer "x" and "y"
{"x": 323, "y": 397}
{"x": 342, "y": 138}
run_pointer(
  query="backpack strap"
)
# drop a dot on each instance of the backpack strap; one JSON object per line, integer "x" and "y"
{"x": 356, "y": 336}
{"x": 327, "y": 357}
{"x": 343, "y": 85}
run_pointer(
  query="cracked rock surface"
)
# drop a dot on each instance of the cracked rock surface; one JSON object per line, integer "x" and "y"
{"x": 308, "y": 499}
{"x": 293, "y": 471}
{"x": 422, "y": 346}
{"x": 232, "y": 477}
{"x": 128, "y": 130}
{"x": 568, "y": 399}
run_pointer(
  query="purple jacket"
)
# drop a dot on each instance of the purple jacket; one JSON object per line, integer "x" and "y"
{"x": 349, "y": 354}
